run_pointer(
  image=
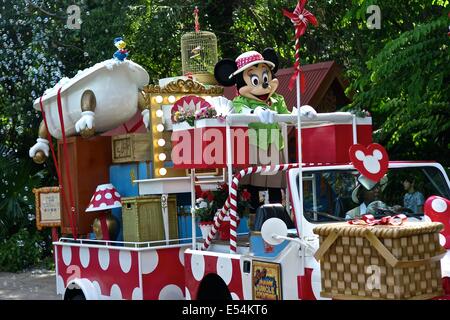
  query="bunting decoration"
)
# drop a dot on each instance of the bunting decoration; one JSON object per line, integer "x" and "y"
{"x": 369, "y": 220}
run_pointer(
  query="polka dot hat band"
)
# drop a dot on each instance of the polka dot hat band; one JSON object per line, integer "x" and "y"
{"x": 248, "y": 59}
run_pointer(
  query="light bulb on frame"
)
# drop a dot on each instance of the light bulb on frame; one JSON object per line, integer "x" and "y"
{"x": 162, "y": 157}
{"x": 163, "y": 171}
{"x": 160, "y": 127}
{"x": 161, "y": 142}
{"x": 159, "y": 113}
{"x": 172, "y": 99}
{"x": 159, "y": 99}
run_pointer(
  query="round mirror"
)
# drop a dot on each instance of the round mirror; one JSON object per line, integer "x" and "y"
{"x": 271, "y": 227}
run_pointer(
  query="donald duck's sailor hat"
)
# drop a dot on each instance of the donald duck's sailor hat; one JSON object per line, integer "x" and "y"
{"x": 118, "y": 39}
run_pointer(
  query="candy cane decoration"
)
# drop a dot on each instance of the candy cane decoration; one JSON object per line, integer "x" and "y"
{"x": 196, "y": 23}
{"x": 231, "y": 203}
{"x": 300, "y": 18}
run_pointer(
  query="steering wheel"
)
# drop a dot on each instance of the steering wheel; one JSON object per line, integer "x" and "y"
{"x": 380, "y": 209}
{"x": 327, "y": 215}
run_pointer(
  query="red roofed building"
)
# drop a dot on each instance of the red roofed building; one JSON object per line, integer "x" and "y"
{"x": 325, "y": 90}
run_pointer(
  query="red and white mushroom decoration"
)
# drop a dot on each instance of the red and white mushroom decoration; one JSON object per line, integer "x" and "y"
{"x": 105, "y": 197}
{"x": 437, "y": 209}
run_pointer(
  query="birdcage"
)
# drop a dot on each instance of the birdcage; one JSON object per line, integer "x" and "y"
{"x": 199, "y": 55}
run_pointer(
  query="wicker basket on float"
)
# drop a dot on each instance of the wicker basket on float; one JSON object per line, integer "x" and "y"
{"x": 380, "y": 262}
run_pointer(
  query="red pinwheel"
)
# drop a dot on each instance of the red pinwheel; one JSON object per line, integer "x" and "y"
{"x": 300, "y": 18}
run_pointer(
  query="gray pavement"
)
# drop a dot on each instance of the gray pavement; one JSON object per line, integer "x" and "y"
{"x": 30, "y": 285}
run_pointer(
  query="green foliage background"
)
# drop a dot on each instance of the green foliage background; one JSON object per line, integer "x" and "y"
{"x": 400, "y": 73}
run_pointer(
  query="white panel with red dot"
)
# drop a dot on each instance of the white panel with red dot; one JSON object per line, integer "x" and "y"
{"x": 437, "y": 209}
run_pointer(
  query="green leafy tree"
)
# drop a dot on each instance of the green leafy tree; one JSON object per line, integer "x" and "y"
{"x": 38, "y": 48}
{"x": 406, "y": 89}
{"x": 29, "y": 65}
{"x": 157, "y": 26}
{"x": 16, "y": 196}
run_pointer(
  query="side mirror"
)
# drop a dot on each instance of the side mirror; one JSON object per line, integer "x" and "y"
{"x": 272, "y": 230}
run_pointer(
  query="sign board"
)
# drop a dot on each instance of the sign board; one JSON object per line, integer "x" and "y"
{"x": 266, "y": 281}
{"x": 48, "y": 207}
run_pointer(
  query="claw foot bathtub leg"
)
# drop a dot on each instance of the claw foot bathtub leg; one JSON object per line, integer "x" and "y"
{"x": 88, "y": 103}
{"x": 144, "y": 108}
{"x": 40, "y": 156}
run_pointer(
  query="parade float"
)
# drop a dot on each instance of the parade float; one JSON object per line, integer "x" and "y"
{"x": 130, "y": 155}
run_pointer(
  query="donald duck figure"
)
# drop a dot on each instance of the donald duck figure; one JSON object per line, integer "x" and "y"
{"x": 121, "y": 54}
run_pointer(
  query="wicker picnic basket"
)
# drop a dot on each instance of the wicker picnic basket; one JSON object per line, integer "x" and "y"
{"x": 380, "y": 262}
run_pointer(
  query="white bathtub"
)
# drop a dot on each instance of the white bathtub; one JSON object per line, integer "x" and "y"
{"x": 115, "y": 85}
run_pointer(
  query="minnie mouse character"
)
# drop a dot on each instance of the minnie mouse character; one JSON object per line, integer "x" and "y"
{"x": 253, "y": 74}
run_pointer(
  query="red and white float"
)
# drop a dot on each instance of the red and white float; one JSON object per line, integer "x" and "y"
{"x": 273, "y": 262}
{"x": 117, "y": 270}
{"x": 120, "y": 271}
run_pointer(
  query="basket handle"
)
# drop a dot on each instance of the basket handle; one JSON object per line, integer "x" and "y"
{"x": 393, "y": 261}
{"x": 326, "y": 245}
{"x": 382, "y": 250}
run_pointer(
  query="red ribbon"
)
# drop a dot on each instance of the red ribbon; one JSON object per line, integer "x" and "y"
{"x": 300, "y": 18}
{"x": 58, "y": 172}
{"x": 298, "y": 71}
{"x": 369, "y": 220}
{"x": 134, "y": 128}
{"x": 190, "y": 75}
{"x": 66, "y": 163}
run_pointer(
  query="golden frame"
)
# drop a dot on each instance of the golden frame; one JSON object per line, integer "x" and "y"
{"x": 271, "y": 274}
{"x": 49, "y": 191}
{"x": 156, "y": 97}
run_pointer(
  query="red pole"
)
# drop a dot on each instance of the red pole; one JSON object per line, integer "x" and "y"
{"x": 104, "y": 225}
{"x": 55, "y": 235}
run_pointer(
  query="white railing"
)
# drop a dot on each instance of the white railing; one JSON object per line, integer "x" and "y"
{"x": 127, "y": 244}
{"x": 124, "y": 244}
{"x": 333, "y": 117}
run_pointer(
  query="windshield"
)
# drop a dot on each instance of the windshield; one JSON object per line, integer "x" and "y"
{"x": 338, "y": 195}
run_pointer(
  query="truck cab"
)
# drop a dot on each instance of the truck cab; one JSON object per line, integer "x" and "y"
{"x": 330, "y": 193}
{"x": 279, "y": 253}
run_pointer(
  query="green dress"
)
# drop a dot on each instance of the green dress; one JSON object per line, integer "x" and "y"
{"x": 256, "y": 136}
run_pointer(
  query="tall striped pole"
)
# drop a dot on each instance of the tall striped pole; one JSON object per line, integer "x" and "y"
{"x": 300, "y": 18}
{"x": 231, "y": 203}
